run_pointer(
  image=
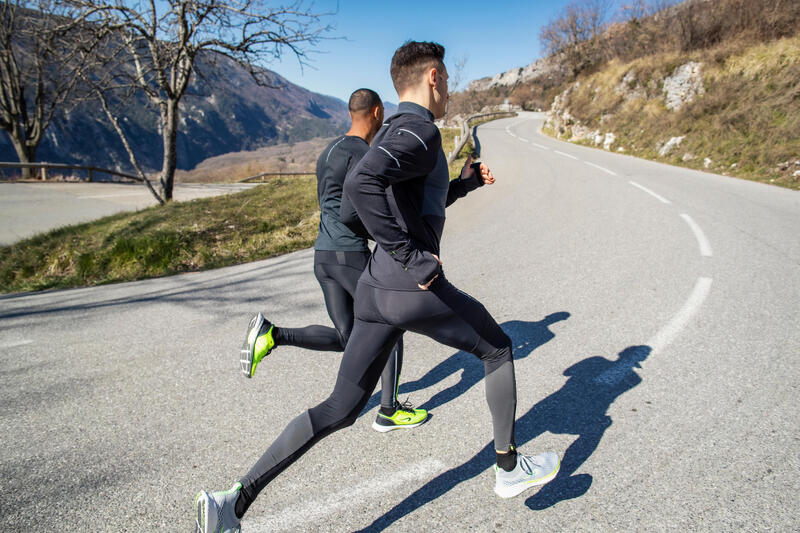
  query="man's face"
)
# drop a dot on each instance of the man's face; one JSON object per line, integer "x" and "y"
{"x": 440, "y": 94}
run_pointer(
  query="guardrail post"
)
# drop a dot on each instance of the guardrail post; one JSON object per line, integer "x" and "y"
{"x": 43, "y": 174}
{"x": 91, "y": 175}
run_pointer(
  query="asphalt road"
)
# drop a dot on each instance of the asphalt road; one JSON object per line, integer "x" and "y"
{"x": 654, "y": 311}
{"x": 28, "y": 208}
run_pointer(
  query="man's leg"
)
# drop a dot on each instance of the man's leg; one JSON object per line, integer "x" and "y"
{"x": 343, "y": 269}
{"x": 454, "y": 318}
{"x": 362, "y": 362}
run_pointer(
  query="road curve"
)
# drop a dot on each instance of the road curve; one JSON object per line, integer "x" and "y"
{"x": 654, "y": 313}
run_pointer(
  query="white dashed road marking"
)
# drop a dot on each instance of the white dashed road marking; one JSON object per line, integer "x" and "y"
{"x": 601, "y": 168}
{"x": 651, "y": 193}
{"x": 705, "y": 246}
{"x": 16, "y": 344}
{"x": 566, "y": 155}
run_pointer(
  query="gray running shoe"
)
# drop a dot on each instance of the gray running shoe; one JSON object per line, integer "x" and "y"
{"x": 216, "y": 512}
{"x": 529, "y": 472}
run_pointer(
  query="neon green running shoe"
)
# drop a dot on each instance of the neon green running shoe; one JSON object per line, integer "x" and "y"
{"x": 257, "y": 344}
{"x": 406, "y": 417}
{"x": 215, "y": 512}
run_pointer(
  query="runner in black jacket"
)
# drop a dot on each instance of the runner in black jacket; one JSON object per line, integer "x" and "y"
{"x": 340, "y": 256}
{"x": 400, "y": 189}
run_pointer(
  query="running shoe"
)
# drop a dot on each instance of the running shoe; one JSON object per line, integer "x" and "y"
{"x": 406, "y": 417}
{"x": 257, "y": 344}
{"x": 216, "y": 512}
{"x": 529, "y": 472}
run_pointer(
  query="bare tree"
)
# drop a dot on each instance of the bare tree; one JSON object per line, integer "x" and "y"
{"x": 457, "y": 72}
{"x": 156, "y": 45}
{"x": 576, "y": 33}
{"x": 42, "y": 56}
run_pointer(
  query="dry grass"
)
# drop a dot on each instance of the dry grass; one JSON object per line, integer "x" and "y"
{"x": 747, "y": 123}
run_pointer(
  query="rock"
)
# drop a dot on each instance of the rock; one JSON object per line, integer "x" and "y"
{"x": 609, "y": 140}
{"x": 687, "y": 157}
{"x": 735, "y": 165}
{"x": 543, "y": 68}
{"x": 707, "y": 162}
{"x": 684, "y": 85}
{"x": 796, "y": 174}
{"x": 629, "y": 88}
{"x": 598, "y": 138}
{"x": 783, "y": 166}
{"x": 620, "y": 149}
{"x": 670, "y": 145}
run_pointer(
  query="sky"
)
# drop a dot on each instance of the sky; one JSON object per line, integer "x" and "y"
{"x": 494, "y": 36}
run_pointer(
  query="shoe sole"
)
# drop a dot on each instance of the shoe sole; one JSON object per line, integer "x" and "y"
{"x": 201, "y": 511}
{"x": 516, "y": 490}
{"x": 246, "y": 357}
{"x": 385, "y": 429}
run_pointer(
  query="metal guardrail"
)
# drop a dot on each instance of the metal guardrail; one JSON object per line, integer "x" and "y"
{"x": 44, "y": 167}
{"x": 467, "y": 131}
{"x": 264, "y": 175}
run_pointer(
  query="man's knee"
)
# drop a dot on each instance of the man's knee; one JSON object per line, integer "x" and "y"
{"x": 343, "y": 337}
{"x": 338, "y": 411}
{"x": 497, "y": 353}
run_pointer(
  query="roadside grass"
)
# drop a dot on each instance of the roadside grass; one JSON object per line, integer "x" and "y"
{"x": 271, "y": 219}
{"x": 746, "y": 124}
{"x": 448, "y": 144}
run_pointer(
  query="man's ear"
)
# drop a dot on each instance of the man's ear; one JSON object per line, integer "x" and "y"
{"x": 431, "y": 77}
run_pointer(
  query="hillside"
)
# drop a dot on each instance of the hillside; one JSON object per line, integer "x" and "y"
{"x": 223, "y": 111}
{"x": 708, "y": 85}
{"x": 729, "y": 111}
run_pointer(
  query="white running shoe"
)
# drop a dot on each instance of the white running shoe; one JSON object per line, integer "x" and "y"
{"x": 216, "y": 511}
{"x": 529, "y": 472}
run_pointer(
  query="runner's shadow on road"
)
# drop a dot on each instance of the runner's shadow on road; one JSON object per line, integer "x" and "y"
{"x": 525, "y": 338}
{"x": 578, "y": 408}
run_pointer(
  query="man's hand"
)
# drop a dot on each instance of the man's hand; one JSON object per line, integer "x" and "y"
{"x": 486, "y": 175}
{"x": 425, "y": 287}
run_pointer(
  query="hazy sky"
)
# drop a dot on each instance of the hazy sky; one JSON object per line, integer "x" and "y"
{"x": 494, "y": 36}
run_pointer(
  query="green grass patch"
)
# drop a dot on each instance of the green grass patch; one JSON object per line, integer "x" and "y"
{"x": 271, "y": 219}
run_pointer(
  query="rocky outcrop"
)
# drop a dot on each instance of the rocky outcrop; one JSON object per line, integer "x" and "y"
{"x": 670, "y": 145}
{"x": 541, "y": 69}
{"x": 684, "y": 85}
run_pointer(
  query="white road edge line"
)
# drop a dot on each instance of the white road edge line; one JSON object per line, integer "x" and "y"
{"x": 295, "y": 518}
{"x": 664, "y": 337}
{"x": 705, "y": 246}
{"x": 540, "y": 146}
{"x": 651, "y": 193}
{"x": 566, "y": 155}
{"x": 601, "y": 168}
{"x": 523, "y": 140}
{"x": 16, "y": 344}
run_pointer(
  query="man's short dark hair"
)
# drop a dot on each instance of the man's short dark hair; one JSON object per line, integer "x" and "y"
{"x": 412, "y": 59}
{"x": 364, "y": 100}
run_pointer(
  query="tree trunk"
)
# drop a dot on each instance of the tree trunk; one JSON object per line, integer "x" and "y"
{"x": 169, "y": 120}
{"x": 25, "y": 154}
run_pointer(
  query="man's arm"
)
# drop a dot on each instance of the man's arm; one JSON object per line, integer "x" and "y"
{"x": 473, "y": 175}
{"x": 406, "y": 152}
